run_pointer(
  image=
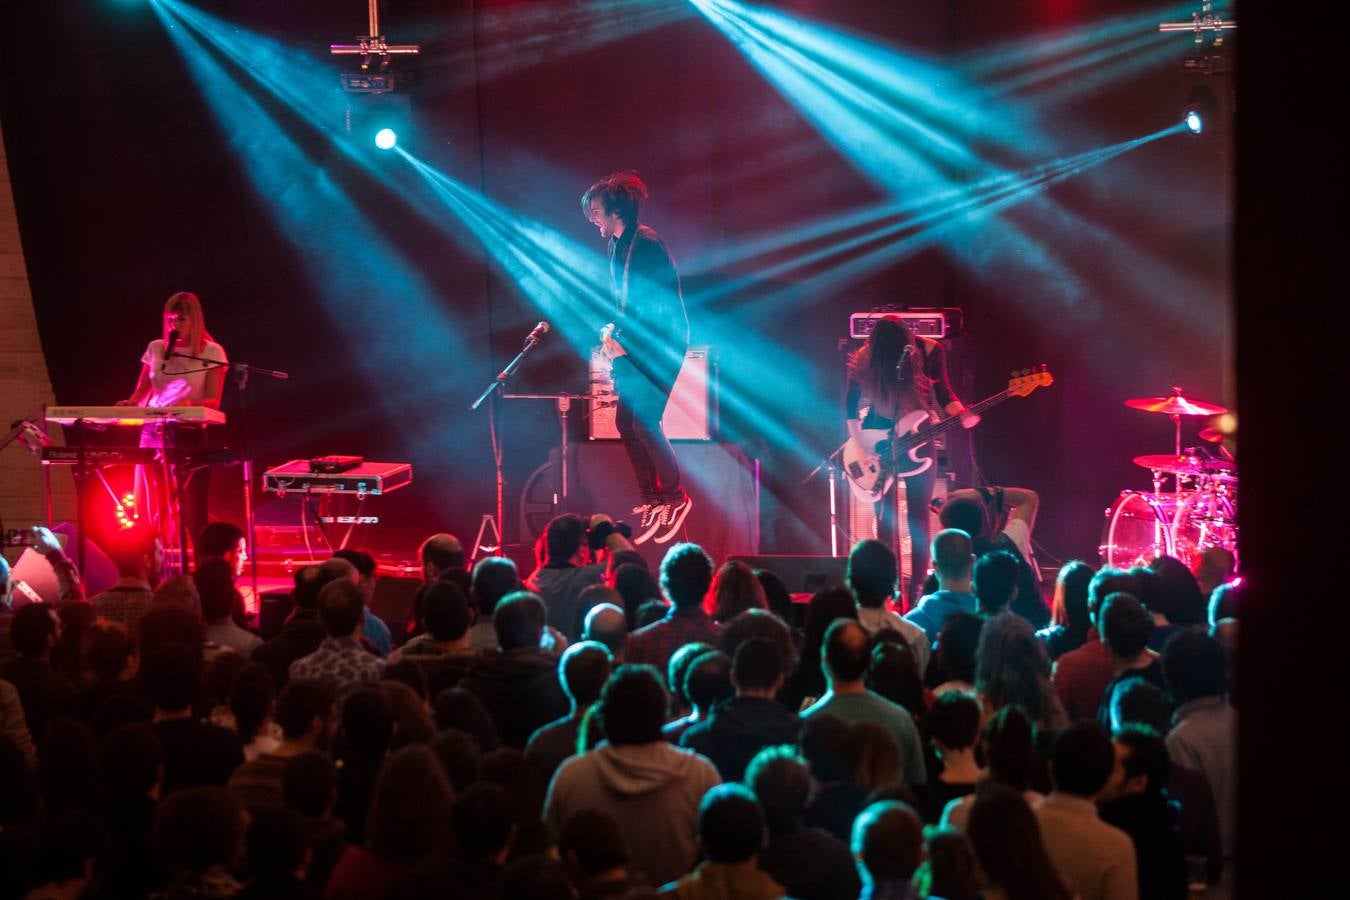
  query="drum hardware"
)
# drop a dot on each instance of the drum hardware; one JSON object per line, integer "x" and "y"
{"x": 1198, "y": 513}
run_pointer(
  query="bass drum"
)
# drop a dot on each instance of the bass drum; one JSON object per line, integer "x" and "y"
{"x": 1138, "y": 530}
{"x": 1204, "y": 519}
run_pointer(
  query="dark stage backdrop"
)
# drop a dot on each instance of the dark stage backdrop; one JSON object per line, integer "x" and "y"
{"x": 128, "y": 188}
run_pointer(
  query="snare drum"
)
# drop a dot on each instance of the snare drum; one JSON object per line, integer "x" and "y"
{"x": 1138, "y": 529}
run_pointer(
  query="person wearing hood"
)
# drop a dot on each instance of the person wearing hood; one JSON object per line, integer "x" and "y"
{"x": 750, "y": 721}
{"x": 731, "y": 832}
{"x": 652, "y": 788}
{"x": 519, "y": 684}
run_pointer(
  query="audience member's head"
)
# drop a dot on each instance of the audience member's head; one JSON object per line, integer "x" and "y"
{"x": 409, "y": 672}
{"x": 461, "y": 710}
{"x": 620, "y": 558}
{"x": 781, "y": 780}
{"x": 200, "y": 828}
{"x": 632, "y": 706}
{"x": 678, "y": 667}
{"x": 277, "y": 845}
{"x": 1071, "y": 591}
{"x": 953, "y": 722}
{"x": 137, "y": 553}
{"x": 1143, "y": 756}
{"x": 893, "y": 672}
{"x": 536, "y": 877}
{"x": 1106, "y": 582}
{"x": 1182, "y": 598}
{"x": 778, "y": 596}
{"x": 169, "y": 625}
{"x": 305, "y": 712}
{"x": 707, "y": 681}
{"x": 364, "y": 564}
{"x": 730, "y": 824}
{"x": 871, "y": 573}
{"x": 412, "y": 719}
{"x": 686, "y": 574}
{"x": 1007, "y": 842}
{"x": 734, "y": 590}
{"x": 179, "y": 591}
{"x": 757, "y": 667}
{"x": 445, "y": 611}
{"x": 887, "y": 843}
{"x": 410, "y": 808}
{"x": 307, "y": 589}
{"x": 845, "y": 653}
{"x": 957, "y": 645}
{"x": 483, "y": 821}
{"x": 111, "y": 652}
{"x": 1082, "y": 759}
{"x": 252, "y": 693}
{"x": 222, "y": 540}
{"x": 34, "y": 630}
{"x": 1212, "y": 567}
{"x": 953, "y": 556}
{"x": 606, "y": 624}
{"x": 1009, "y": 747}
{"x": 953, "y": 870}
{"x": 878, "y": 761}
{"x": 309, "y": 784}
{"x": 761, "y": 624}
{"x": 966, "y": 514}
{"x": 591, "y": 843}
{"x": 173, "y": 675}
{"x": 565, "y": 537}
{"x": 1126, "y": 626}
{"x": 637, "y": 587}
{"x": 130, "y": 762}
{"x": 215, "y": 588}
{"x": 1225, "y": 602}
{"x": 519, "y": 620}
{"x": 826, "y": 605}
{"x": 1194, "y": 666}
{"x": 460, "y": 757}
{"x": 1137, "y": 701}
{"x": 493, "y": 578}
{"x": 1011, "y": 667}
{"x": 367, "y": 722}
{"x": 583, "y": 670}
{"x": 827, "y": 744}
{"x": 995, "y": 581}
{"x": 341, "y": 609}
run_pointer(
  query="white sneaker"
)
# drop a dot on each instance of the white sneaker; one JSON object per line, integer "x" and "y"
{"x": 649, "y": 519}
{"x": 672, "y": 518}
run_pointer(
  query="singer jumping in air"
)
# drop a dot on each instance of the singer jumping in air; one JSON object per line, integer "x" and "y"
{"x": 646, "y": 343}
{"x": 893, "y": 373}
{"x": 168, "y": 380}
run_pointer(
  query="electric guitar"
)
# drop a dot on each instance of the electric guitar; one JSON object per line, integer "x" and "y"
{"x": 896, "y": 449}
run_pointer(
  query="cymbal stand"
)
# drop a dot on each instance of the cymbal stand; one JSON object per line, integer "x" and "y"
{"x": 828, "y": 464}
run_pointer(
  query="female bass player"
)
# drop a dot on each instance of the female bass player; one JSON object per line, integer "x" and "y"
{"x": 168, "y": 379}
{"x": 894, "y": 373}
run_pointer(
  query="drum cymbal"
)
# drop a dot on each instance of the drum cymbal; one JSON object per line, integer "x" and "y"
{"x": 1171, "y": 464}
{"x": 1176, "y": 405}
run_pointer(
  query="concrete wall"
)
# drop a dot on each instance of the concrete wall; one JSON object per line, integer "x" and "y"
{"x": 24, "y": 381}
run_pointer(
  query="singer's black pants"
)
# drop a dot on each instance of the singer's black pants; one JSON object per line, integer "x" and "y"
{"x": 642, "y": 399}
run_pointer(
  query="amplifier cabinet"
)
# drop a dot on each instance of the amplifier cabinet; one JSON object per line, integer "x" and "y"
{"x": 691, "y": 413}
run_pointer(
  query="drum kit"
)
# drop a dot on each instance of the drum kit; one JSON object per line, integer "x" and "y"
{"x": 1200, "y": 510}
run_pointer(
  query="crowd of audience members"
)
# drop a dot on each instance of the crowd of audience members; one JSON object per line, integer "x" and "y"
{"x": 601, "y": 730}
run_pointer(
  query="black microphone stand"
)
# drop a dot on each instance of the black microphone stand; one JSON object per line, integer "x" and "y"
{"x": 241, "y": 372}
{"x": 488, "y": 396}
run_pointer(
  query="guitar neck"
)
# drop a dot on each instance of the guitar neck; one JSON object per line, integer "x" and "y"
{"x": 925, "y": 435}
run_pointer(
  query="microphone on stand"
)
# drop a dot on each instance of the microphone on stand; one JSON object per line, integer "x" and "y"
{"x": 168, "y": 351}
{"x": 900, "y": 365}
{"x": 539, "y": 331}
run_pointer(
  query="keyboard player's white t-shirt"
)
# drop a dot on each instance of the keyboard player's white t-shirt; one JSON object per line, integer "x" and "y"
{"x": 182, "y": 382}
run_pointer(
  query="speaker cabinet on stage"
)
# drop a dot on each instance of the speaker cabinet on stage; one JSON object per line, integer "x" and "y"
{"x": 720, "y": 478}
{"x": 802, "y": 574}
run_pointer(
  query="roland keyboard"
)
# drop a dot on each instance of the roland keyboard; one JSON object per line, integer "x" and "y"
{"x": 134, "y": 415}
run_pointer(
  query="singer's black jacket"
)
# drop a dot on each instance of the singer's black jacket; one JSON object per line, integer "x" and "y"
{"x": 650, "y": 320}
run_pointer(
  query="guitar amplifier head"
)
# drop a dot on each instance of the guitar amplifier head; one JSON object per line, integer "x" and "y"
{"x": 930, "y": 323}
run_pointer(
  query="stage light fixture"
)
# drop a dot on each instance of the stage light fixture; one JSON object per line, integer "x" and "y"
{"x": 1194, "y": 122}
{"x": 386, "y": 138}
{"x": 1201, "y": 110}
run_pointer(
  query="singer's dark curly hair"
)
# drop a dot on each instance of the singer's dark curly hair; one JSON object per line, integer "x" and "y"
{"x": 622, "y": 193}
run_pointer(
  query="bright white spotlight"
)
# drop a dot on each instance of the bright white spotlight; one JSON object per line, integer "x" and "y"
{"x": 1194, "y": 122}
{"x": 386, "y": 138}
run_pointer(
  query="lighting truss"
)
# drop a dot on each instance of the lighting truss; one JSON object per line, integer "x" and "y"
{"x": 375, "y": 50}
